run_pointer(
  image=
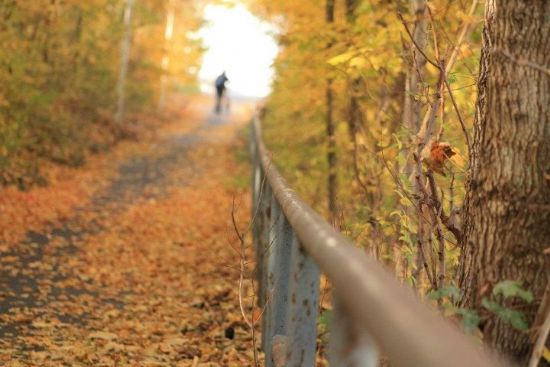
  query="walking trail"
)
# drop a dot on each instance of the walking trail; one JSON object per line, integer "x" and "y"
{"x": 136, "y": 267}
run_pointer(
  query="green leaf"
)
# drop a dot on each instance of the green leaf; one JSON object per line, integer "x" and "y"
{"x": 512, "y": 317}
{"x": 324, "y": 319}
{"x": 491, "y": 306}
{"x": 517, "y": 319}
{"x": 398, "y": 141}
{"x": 512, "y": 288}
{"x": 451, "y": 78}
{"x": 470, "y": 320}
{"x": 450, "y": 292}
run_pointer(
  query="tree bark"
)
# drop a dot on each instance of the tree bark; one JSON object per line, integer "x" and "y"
{"x": 418, "y": 71}
{"x": 506, "y": 216}
{"x": 411, "y": 116}
{"x": 332, "y": 182}
{"x": 355, "y": 85}
{"x": 355, "y": 115}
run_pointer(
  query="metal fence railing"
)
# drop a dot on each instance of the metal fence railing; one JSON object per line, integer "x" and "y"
{"x": 372, "y": 310}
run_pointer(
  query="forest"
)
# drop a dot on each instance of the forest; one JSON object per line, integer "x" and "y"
{"x": 66, "y": 85}
{"x": 419, "y": 129}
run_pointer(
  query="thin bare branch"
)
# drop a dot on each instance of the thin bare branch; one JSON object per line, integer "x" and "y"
{"x": 414, "y": 42}
{"x": 460, "y": 119}
{"x": 464, "y": 33}
{"x": 250, "y": 322}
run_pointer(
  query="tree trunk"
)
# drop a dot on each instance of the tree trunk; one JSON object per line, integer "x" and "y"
{"x": 420, "y": 34}
{"x": 331, "y": 153}
{"x": 355, "y": 84}
{"x": 411, "y": 116}
{"x": 124, "y": 59}
{"x": 506, "y": 216}
{"x": 165, "y": 64}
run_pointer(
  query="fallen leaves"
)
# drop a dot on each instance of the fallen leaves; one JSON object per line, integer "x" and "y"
{"x": 142, "y": 274}
{"x": 70, "y": 188}
{"x": 102, "y": 335}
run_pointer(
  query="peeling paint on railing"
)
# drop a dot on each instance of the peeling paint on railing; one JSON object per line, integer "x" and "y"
{"x": 372, "y": 310}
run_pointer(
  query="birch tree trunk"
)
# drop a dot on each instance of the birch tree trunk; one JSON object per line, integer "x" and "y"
{"x": 165, "y": 64}
{"x": 506, "y": 216}
{"x": 125, "y": 47}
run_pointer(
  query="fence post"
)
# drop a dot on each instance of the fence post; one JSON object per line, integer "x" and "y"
{"x": 258, "y": 188}
{"x": 279, "y": 274}
{"x": 348, "y": 345}
{"x": 304, "y": 305}
{"x": 265, "y": 229}
{"x": 270, "y": 285}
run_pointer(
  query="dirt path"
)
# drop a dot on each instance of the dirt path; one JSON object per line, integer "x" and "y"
{"x": 144, "y": 274}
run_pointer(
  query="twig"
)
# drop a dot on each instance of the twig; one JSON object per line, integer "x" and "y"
{"x": 242, "y": 262}
{"x": 462, "y": 124}
{"x": 446, "y": 220}
{"x": 434, "y": 35}
{"x": 408, "y": 196}
{"x": 443, "y": 74}
{"x": 357, "y": 174}
{"x": 426, "y": 266}
{"x": 432, "y": 257}
{"x": 540, "y": 343}
{"x": 424, "y": 135}
{"x": 541, "y": 328}
{"x": 452, "y": 192}
{"x": 414, "y": 41}
{"x": 466, "y": 28}
{"x": 251, "y": 324}
{"x": 444, "y": 69}
{"x": 437, "y": 211}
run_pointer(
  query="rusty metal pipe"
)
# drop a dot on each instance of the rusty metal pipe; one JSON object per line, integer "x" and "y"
{"x": 408, "y": 331}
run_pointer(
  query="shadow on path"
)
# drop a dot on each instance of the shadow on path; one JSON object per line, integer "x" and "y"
{"x": 31, "y": 274}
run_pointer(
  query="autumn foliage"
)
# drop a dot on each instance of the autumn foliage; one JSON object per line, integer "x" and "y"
{"x": 370, "y": 61}
{"x": 59, "y": 68}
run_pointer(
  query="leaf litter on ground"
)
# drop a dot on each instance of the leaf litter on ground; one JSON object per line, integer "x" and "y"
{"x": 138, "y": 268}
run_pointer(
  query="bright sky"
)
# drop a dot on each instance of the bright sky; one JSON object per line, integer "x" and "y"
{"x": 240, "y": 44}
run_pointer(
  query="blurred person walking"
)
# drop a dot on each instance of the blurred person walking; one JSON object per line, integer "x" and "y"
{"x": 221, "y": 91}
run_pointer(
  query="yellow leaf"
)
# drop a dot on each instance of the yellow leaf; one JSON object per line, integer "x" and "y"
{"x": 458, "y": 159}
{"x": 102, "y": 335}
{"x": 342, "y": 58}
{"x": 357, "y": 62}
{"x": 42, "y": 325}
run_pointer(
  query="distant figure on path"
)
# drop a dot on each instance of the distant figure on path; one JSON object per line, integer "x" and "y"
{"x": 220, "y": 91}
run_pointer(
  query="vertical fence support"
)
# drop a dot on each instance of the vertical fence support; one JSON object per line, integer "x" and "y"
{"x": 304, "y": 305}
{"x": 349, "y": 346}
{"x": 258, "y": 188}
{"x": 265, "y": 245}
{"x": 279, "y": 274}
{"x": 267, "y": 331}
